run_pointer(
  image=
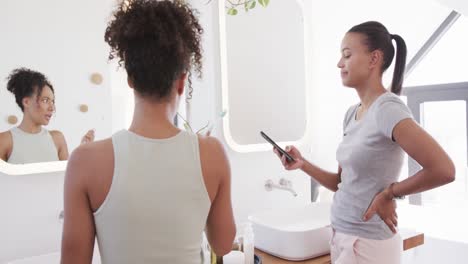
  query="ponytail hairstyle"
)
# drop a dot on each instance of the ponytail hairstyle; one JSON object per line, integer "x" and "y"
{"x": 377, "y": 37}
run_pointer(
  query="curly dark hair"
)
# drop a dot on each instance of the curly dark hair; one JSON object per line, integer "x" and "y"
{"x": 157, "y": 41}
{"x": 24, "y": 82}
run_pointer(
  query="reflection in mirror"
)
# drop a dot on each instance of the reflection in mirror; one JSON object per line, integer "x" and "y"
{"x": 30, "y": 141}
{"x": 50, "y": 37}
{"x": 62, "y": 40}
{"x": 263, "y": 75}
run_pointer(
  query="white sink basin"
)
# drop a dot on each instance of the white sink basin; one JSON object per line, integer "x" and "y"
{"x": 293, "y": 233}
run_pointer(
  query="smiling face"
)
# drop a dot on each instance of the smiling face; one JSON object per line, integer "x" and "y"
{"x": 356, "y": 60}
{"x": 40, "y": 107}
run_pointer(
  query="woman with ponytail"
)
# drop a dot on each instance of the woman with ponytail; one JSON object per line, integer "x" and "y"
{"x": 376, "y": 133}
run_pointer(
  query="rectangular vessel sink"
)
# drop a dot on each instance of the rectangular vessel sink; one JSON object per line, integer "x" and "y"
{"x": 293, "y": 233}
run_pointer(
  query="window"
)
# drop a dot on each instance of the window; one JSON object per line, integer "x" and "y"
{"x": 446, "y": 122}
{"x": 442, "y": 111}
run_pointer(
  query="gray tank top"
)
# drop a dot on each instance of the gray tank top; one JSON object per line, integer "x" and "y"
{"x": 157, "y": 205}
{"x": 31, "y": 148}
{"x": 370, "y": 161}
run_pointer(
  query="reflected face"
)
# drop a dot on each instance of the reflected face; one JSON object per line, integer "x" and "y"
{"x": 355, "y": 60}
{"x": 41, "y": 106}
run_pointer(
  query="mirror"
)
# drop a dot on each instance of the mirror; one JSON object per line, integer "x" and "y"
{"x": 254, "y": 64}
{"x": 64, "y": 41}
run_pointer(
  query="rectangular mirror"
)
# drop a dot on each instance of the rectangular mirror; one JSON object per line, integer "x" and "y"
{"x": 264, "y": 84}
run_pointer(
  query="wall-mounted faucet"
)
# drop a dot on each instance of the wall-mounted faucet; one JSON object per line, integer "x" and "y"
{"x": 284, "y": 184}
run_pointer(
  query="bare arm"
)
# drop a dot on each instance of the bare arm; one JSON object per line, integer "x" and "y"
{"x": 220, "y": 226}
{"x": 6, "y": 145}
{"x": 437, "y": 167}
{"x": 329, "y": 180}
{"x": 61, "y": 144}
{"x": 78, "y": 228}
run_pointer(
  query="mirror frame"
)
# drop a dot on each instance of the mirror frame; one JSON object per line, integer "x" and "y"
{"x": 225, "y": 87}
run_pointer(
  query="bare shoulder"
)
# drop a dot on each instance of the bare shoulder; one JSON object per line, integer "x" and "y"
{"x": 56, "y": 133}
{"x": 89, "y": 160}
{"x": 213, "y": 155}
{"x": 6, "y": 145}
{"x": 92, "y": 153}
{"x": 211, "y": 145}
{"x": 214, "y": 163}
{"x": 57, "y": 136}
{"x": 5, "y": 137}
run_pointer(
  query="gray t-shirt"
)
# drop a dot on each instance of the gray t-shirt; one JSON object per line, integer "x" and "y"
{"x": 370, "y": 161}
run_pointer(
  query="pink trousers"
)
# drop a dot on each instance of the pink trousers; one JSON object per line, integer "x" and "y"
{"x": 348, "y": 249}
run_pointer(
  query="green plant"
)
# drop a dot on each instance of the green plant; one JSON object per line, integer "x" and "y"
{"x": 233, "y": 6}
{"x": 208, "y": 127}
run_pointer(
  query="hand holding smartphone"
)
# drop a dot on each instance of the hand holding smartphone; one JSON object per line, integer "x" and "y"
{"x": 289, "y": 158}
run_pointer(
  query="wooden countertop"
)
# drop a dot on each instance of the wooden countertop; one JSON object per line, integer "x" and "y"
{"x": 410, "y": 238}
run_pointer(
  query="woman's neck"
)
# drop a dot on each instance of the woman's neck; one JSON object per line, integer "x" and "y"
{"x": 153, "y": 120}
{"x": 369, "y": 91}
{"x": 28, "y": 126}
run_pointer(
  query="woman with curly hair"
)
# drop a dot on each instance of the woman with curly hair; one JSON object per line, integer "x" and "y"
{"x": 147, "y": 193}
{"x": 30, "y": 142}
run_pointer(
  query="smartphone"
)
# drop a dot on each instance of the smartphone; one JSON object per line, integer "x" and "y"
{"x": 289, "y": 158}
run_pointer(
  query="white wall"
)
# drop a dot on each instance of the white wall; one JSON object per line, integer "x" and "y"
{"x": 65, "y": 41}
{"x": 460, "y": 6}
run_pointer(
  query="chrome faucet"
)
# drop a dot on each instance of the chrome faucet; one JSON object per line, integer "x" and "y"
{"x": 284, "y": 184}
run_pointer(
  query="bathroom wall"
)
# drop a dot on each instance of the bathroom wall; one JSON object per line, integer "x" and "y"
{"x": 458, "y": 5}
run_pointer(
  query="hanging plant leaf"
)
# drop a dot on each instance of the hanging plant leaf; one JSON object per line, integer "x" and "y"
{"x": 232, "y": 11}
{"x": 264, "y": 3}
{"x": 223, "y": 113}
{"x": 187, "y": 127}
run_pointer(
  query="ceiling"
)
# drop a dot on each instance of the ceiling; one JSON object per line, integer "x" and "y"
{"x": 461, "y": 6}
